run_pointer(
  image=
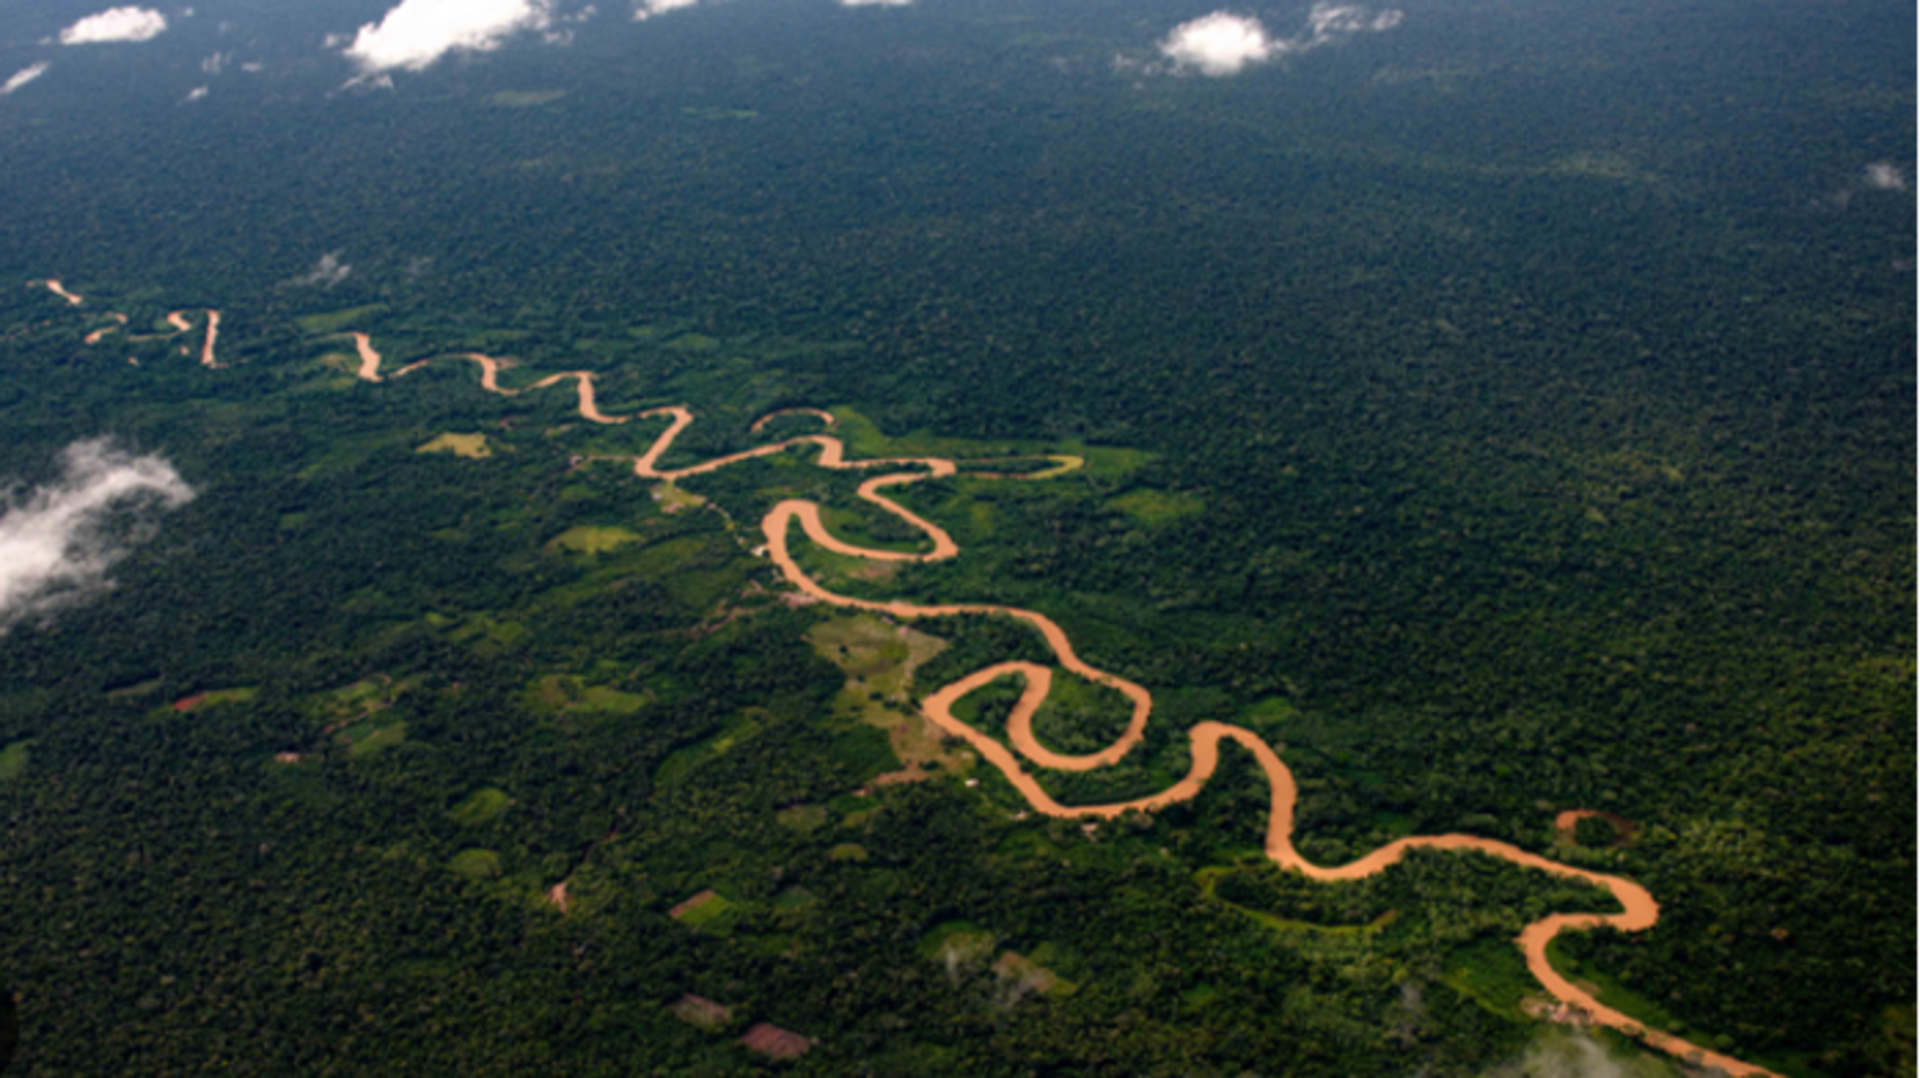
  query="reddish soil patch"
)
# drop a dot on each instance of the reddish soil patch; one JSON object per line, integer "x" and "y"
{"x": 692, "y": 904}
{"x": 1015, "y": 967}
{"x": 770, "y": 1040}
{"x": 188, "y": 703}
{"x": 705, "y": 1013}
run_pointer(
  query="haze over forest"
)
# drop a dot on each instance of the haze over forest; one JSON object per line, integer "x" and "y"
{"x": 661, "y": 536}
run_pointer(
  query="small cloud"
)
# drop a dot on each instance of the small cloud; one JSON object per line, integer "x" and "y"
{"x": 253, "y": 67}
{"x": 116, "y": 24}
{"x": 1881, "y": 176}
{"x": 57, "y": 543}
{"x": 214, "y": 64}
{"x": 326, "y": 273}
{"x": 1223, "y": 43}
{"x": 647, "y": 9}
{"x": 1219, "y": 44}
{"x": 417, "y": 33}
{"x": 22, "y": 77}
{"x": 197, "y": 93}
{"x": 1329, "y": 21}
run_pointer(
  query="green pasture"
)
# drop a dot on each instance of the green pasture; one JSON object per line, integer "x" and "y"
{"x": 476, "y": 864}
{"x": 480, "y": 806}
{"x": 330, "y": 322}
{"x": 13, "y": 760}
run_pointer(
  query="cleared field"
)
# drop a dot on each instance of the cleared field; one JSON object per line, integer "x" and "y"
{"x": 476, "y": 864}
{"x": 1157, "y": 507}
{"x": 470, "y": 446}
{"x": 480, "y": 806}
{"x": 593, "y": 539}
{"x": 13, "y": 760}
{"x": 879, "y": 659}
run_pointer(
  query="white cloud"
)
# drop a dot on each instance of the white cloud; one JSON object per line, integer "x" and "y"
{"x": 197, "y": 93}
{"x": 216, "y": 63}
{"x": 116, "y": 24}
{"x": 327, "y": 272}
{"x": 649, "y": 8}
{"x": 417, "y": 33}
{"x": 1330, "y": 21}
{"x": 1219, "y": 44}
{"x": 1225, "y": 44}
{"x": 1881, "y": 176}
{"x": 57, "y": 543}
{"x": 22, "y": 77}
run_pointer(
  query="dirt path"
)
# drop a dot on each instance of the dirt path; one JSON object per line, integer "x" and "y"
{"x": 1639, "y": 910}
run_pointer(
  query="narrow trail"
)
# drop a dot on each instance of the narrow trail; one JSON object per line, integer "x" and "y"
{"x": 1639, "y": 910}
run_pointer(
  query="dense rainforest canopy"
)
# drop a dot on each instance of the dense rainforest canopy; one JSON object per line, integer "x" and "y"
{"x": 1506, "y": 411}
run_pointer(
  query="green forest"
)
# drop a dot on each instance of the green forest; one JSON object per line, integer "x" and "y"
{"x": 1487, "y": 455}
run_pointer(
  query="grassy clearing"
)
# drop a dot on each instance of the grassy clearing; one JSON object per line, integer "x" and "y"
{"x": 672, "y": 499}
{"x": 591, "y": 539}
{"x": 470, "y": 446}
{"x": 336, "y": 321}
{"x": 1493, "y": 974}
{"x": 865, "y": 439}
{"x": 957, "y": 943}
{"x": 357, "y": 701}
{"x": 710, "y": 912}
{"x": 1157, "y": 507}
{"x": 367, "y": 738}
{"x": 1199, "y": 997}
{"x": 482, "y": 633}
{"x": 879, "y": 659}
{"x": 476, "y": 864}
{"x": 214, "y": 698}
{"x": 698, "y": 343}
{"x": 139, "y": 689}
{"x": 480, "y": 806}
{"x": 675, "y": 768}
{"x": 555, "y": 694}
{"x": 848, "y": 851}
{"x": 802, "y": 818}
{"x": 13, "y": 760}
